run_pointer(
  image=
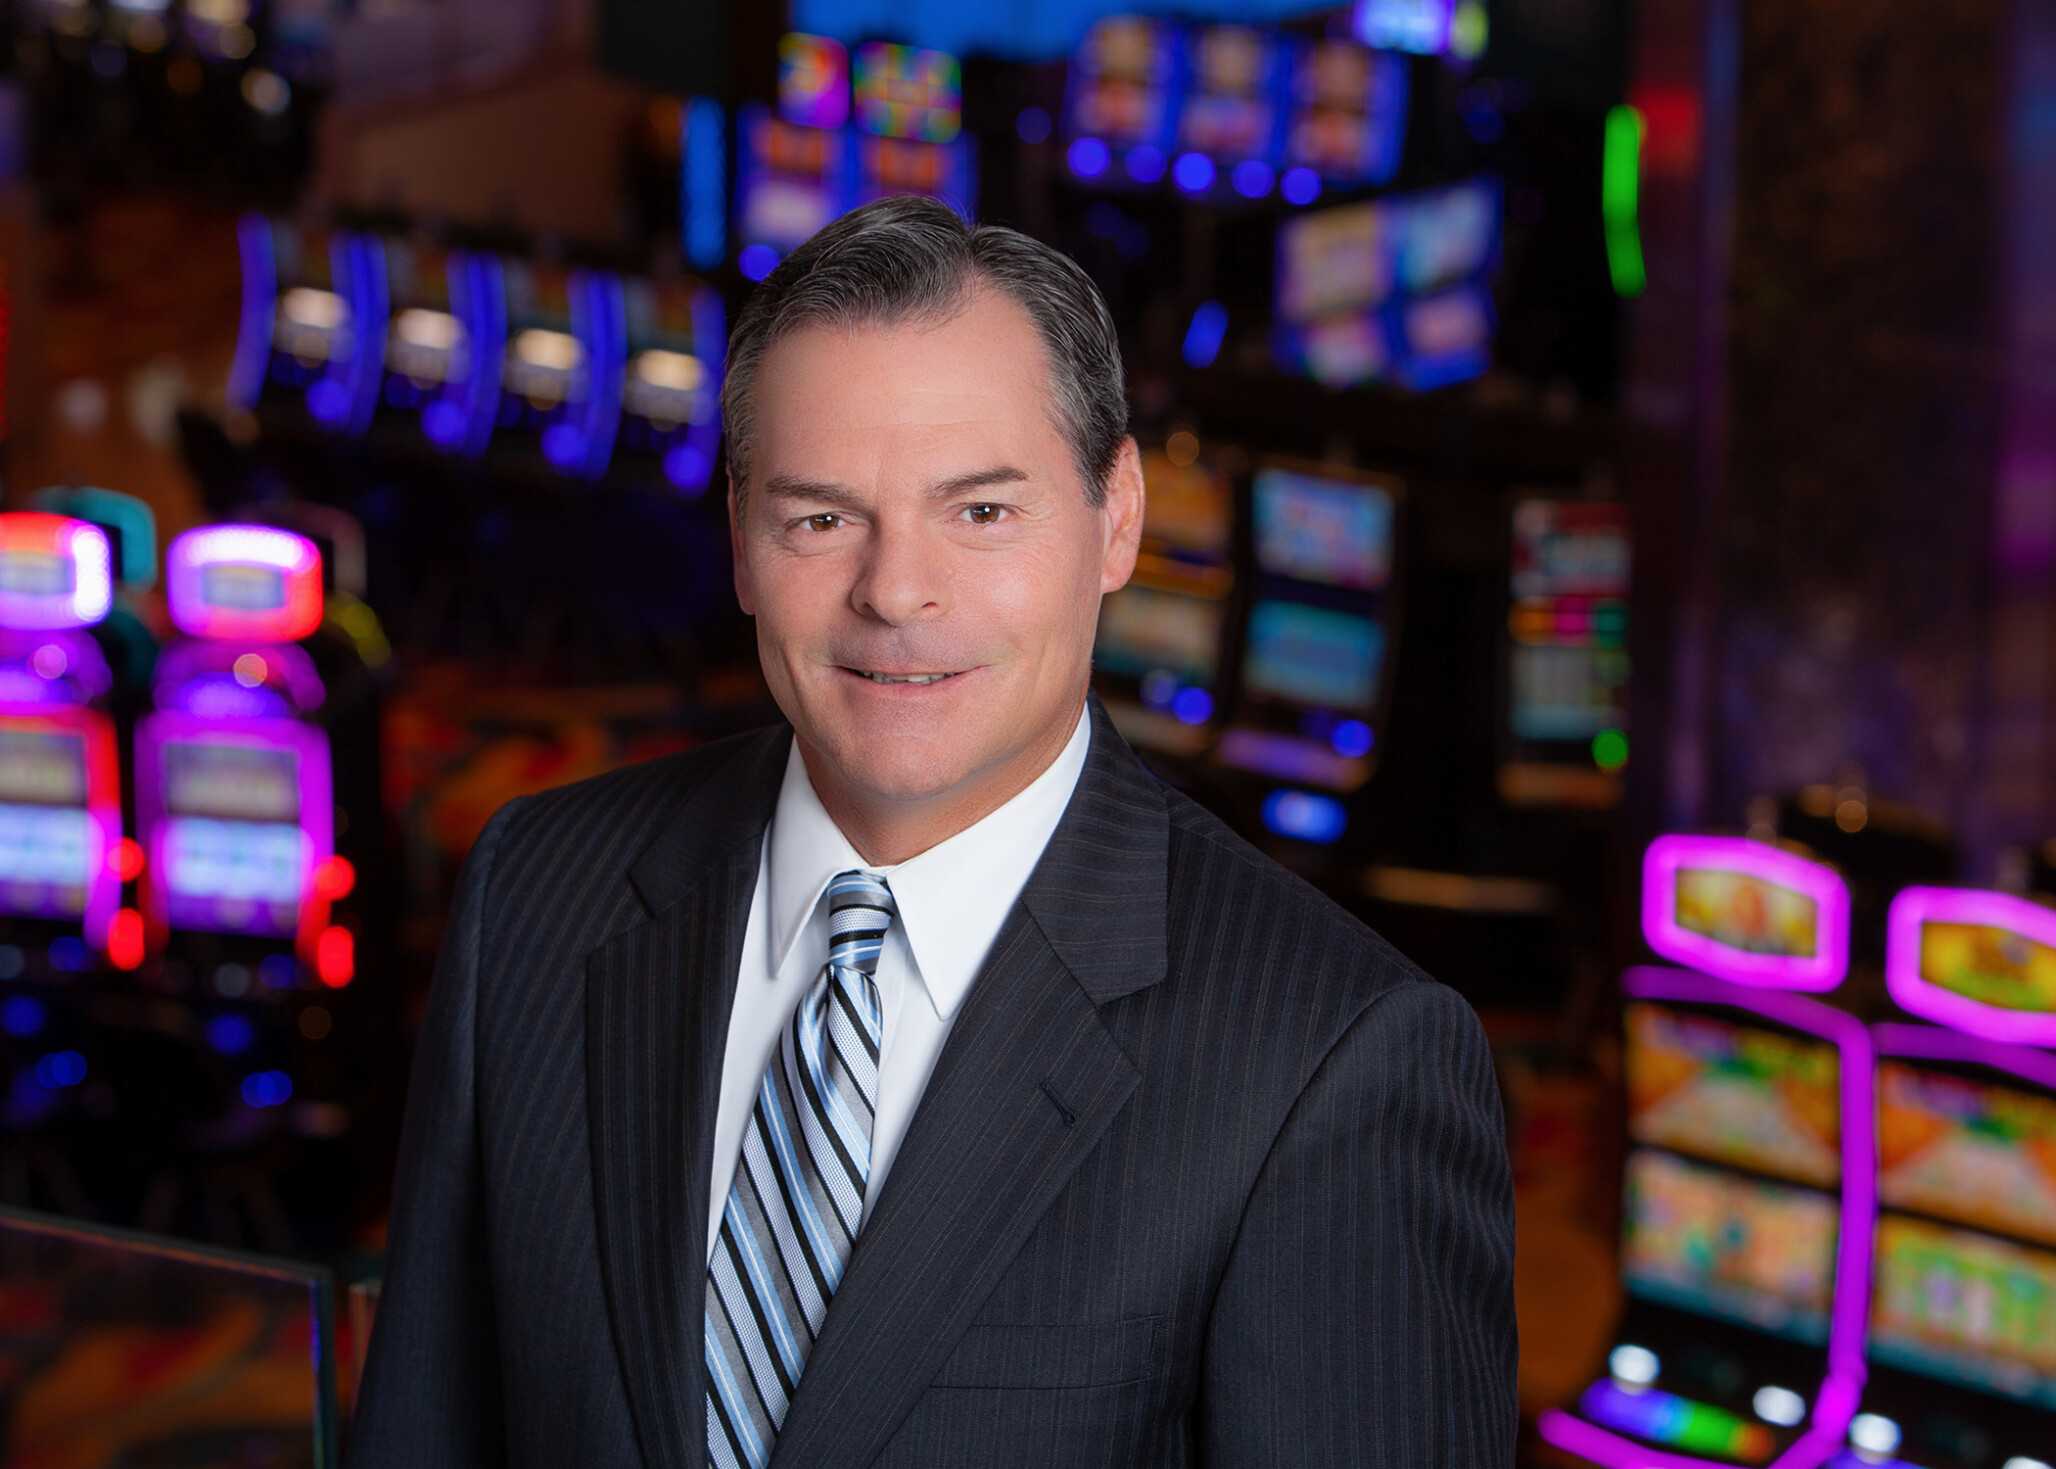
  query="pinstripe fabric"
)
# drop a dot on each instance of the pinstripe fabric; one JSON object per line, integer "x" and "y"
{"x": 1206, "y": 1173}
{"x": 797, "y": 1201}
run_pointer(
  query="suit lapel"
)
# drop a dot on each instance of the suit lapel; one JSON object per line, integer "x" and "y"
{"x": 658, "y": 998}
{"x": 1027, "y": 1083}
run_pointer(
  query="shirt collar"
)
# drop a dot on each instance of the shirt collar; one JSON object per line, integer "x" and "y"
{"x": 951, "y": 898}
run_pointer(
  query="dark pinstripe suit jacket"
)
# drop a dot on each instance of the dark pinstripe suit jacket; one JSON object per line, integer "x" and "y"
{"x": 1207, "y": 1174}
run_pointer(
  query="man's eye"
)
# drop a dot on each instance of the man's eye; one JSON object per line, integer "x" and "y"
{"x": 825, "y": 521}
{"x": 984, "y": 514}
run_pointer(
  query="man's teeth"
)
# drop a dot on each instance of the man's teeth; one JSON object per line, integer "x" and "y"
{"x": 906, "y": 677}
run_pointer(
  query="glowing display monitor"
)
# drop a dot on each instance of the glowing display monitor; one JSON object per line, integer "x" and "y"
{"x": 813, "y": 81}
{"x": 1736, "y": 1094}
{"x": 1967, "y": 1150}
{"x": 1335, "y": 260}
{"x": 905, "y": 92}
{"x": 1967, "y": 1307}
{"x": 235, "y": 816}
{"x": 55, "y": 572}
{"x": 1340, "y": 351}
{"x": 1190, "y": 508}
{"x": 1349, "y": 113}
{"x": 1447, "y": 235}
{"x": 1124, "y": 88}
{"x": 1445, "y": 338}
{"x": 1144, "y": 630}
{"x": 1234, "y": 108}
{"x": 1568, "y": 623}
{"x": 1745, "y": 911}
{"x": 1708, "y": 1240}
{"x": 49, "y": 841}
{"x": 886, "y": 166}
{"x": 244, "y": 582}
{"x": 1335, "y": 533}
{"x": 790, "y": 181}
{"x": 1980, "y": 962}
{"x": 1313, "y": 656}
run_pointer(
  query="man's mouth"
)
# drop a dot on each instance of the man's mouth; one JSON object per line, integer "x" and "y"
{"x": 891, "y": 678}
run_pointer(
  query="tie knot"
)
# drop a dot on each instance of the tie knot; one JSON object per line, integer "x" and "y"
{"x": 860, "y": 910}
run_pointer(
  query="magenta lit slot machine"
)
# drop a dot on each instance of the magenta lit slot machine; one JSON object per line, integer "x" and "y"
{"x": 1963, "y": 1304}
{"x": 234, "y": 803}
{"x": 63, "y": 859}
{"x": 1748, "y": 1187}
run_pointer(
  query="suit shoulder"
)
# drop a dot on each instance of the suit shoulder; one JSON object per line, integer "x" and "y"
{"x": 1336, "y": 954}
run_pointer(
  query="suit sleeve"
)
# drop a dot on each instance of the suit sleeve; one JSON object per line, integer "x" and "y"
{"x": 430, "y": 1397}
{"x": 1366, "y": 1316}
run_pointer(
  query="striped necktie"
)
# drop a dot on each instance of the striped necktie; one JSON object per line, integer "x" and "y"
{"x": 798, "y": 1198}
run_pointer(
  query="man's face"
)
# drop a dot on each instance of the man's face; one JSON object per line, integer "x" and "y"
{"x": 914, "y": 511}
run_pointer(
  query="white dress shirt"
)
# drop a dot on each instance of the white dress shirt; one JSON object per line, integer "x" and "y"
{"x": 951, "y": 900}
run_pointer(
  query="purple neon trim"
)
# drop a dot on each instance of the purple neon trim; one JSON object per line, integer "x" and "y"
{"x": 1667, "y": 854}
{"x": 1836, "y": 1401}
{"x": 260, "y": 302}
{"x": 308, "y": 743}
{"x": 1929, "y": 1043}
{"x": 1914, "y": 992}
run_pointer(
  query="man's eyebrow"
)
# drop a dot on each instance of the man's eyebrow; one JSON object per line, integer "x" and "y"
{"x": 977, "y": 479}
{"x": 823, "y": 492}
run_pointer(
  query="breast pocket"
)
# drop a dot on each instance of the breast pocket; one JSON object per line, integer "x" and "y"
{"x": 1074, "y": 1393}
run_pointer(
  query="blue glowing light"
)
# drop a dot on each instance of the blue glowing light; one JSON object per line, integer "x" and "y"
{"x": 329, "y": 402}
{"x": 22, "y": 1016}
{"x": 1252, "y": 178}
{"x": 686, "y": 466}
{"x": 757, "y": 261}
{"x": 1159, "y": 687}
{"x": 1300, "y": 186}
{"x": 563, "y": 445}
{"x": 1204, "y": 333}
{"x": 1032, "y": 125}
{"x": 1145, "y": 163}
{"x": 1351, "y": 739}
{"x": 703, "y": 183}
{"x": 1193, "y": 172}
{"x": 278, "y": 971}
{"x": 1193, "y": 706}
{"x": 1087, "y": 157}
{"x": 69, "y": 955}
{"x": 443, "y": 422}
{"x": 231, "y": 1034}
{"x": 1304, "y": 816}
{"x": 61, "y": 1068}
{"x": 267, "y": 1088}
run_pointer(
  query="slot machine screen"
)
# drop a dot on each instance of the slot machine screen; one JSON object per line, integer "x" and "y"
{"x": 1724, "y": 1244}
{"x": 234, "y": 854}
{"x": 1144, "y": 630}
{"x": 1123, "y": 91}
{"x": 1349, "y": 113}
{"x": 1333, "y": 261}
{"x": 1190, "y": 508}
{"x": 1568, "y": 669}
{"x": 1967, "y": 1151}
{"x": 1313, "y": 656}
{"x": 790, "y": 181}
{"x": 1965, "y": 1306}
{"x": 1747, "y": 912}
{"x": 1328, "y": 532}
{"x": 813, "y": 81}
{"x": 906, "y": 92}
{"x": 1444, "y": 236}
{"x": 1991, "y": 965}
{"x": 1233, "y": 109}
{"x": 48, "y": 841}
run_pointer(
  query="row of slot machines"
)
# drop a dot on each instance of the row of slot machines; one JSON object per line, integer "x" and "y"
{"x": 1839, "y": 1224}
{"x": 179, "y": 913}
{"x": 1253, "y": 651}
{"x": 524, "y": 363}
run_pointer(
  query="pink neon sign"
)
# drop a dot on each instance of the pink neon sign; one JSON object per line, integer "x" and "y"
{"x": 1746, "y": 912}
{"x": 1979, "y": 962}
{"x": 247, "y": 582}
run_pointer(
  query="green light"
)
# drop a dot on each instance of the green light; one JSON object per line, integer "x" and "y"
{"x": 1468, "y": 29}
{"x": 1609, "y": 749}
{"x": 1620, "y": 187}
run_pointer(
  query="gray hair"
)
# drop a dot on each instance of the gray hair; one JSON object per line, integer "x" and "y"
{"x": 913, "y": 259}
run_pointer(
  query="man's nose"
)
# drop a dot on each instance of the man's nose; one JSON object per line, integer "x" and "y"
{"x": 903, "y": 577}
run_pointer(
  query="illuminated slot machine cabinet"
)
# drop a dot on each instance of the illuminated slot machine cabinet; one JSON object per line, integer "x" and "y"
{"x": 1564, "y": 732}
{"x": 63, "y": 860}
{"x": 133, "y": 629}
{"x": 1348, "y": 119}
{"x": 671, "y": 391}
{"x": 1162, "y": 648}
{"x": 794, "y": 168}
{"x": 908, "y": 113}
{"x": 1319, "y": 619}
{"x": 310, "y": 341}
{"x": 1748, "y": 1188}
{"x": 234, "y": 800}
{"x": 561, "y": 373}
{"x": 1122, "y": 102}
{"x": 1233, "y": 117}
{"x": 1963, "y": 1299}
{"x": 444, "y": 338}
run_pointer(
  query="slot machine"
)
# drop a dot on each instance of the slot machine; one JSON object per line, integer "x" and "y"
{"x": 793, "y": 164}
{"x": 908, "y": 135}
{"x": 1234, "y": 114}
{"x": 562, "y": 371}
{"x": 133, "y": 628}
{"x": 1348, "y": 121}
{"x": 1318, "y": 622}
{"x": 1749, "y": 1206}
{"x": 1161, "y": 655}
{"x": 310, "y": 342}
{"x": 1121, "y": 108}
{"x": 671, "y": 395}
{"x": 444, "y": 339}
{"x": 1963, "y": 1303}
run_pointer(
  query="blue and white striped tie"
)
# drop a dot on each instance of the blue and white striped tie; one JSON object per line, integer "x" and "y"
{"x": 798, "y": 1198}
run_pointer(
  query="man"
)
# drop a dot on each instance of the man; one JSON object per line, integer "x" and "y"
{"x": 924, "y": 1083}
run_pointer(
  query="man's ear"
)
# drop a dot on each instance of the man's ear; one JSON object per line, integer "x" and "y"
{"x": 1126, "y": 500}
{"x": 745, "y": 589}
